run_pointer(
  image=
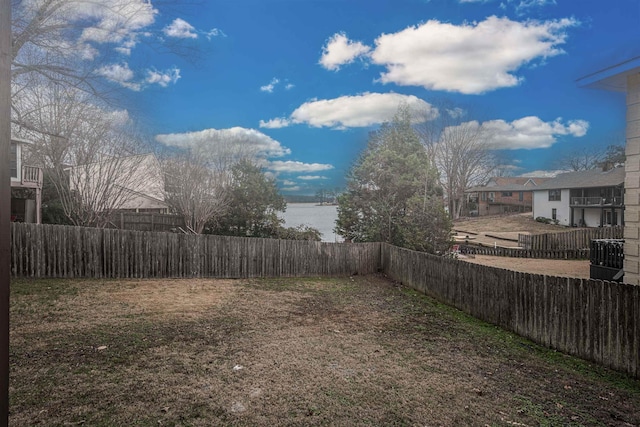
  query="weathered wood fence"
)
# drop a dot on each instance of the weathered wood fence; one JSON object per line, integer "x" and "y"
{"x": 527, "y": 253}
{"x": 575, "y": 239}
{"x": 591, "y": 319}
{"x": 146, "y": 221}
{"x": 63, "y": 251}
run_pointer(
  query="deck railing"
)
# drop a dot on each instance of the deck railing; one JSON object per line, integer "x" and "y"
{"x": 597, "y": 201}
{"x": 32, "y": 175}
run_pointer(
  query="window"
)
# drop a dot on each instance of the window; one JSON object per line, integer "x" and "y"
{"x": 507, "y": 194}
{"x": 491, "y": 196}
{"x": 13, "y": 161}
{"x": 554, "y": 213}
{"x": 484, "y": 196}
{"x": 521, "y": 196}
{"x": 555, "y": 195}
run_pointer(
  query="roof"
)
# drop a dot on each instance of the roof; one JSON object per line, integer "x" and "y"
{"x": 613, "y": 77}
{"x": 591, "y": 178}
{"x": 510, "y": 183}
{"x": 20, "y": 140}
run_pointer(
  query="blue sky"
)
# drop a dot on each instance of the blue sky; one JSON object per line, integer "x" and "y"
{"x": 307, "y": 80}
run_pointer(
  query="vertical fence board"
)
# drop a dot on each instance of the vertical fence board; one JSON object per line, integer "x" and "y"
{"x": 596, "y": 320}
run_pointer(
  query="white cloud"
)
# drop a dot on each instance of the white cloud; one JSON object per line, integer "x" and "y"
{"x": 288, "y": 183}
{"x": 524, "y": 6}
{"x": 116, "y": 72}
{"x": 471, "y": 58}
{"x": 215, "y": 32}
{"x": 120, "y": 74}
{"x": 208, "y": 139}
{"x": 113, "y": 20}
{"x": 163, "y": 78}
{"x": 339, "y": 50}
{"x": 528, "y": 132}
{"x": 291, "y": 166}
{"x": 311, "y": 177}
{"x": 124, "y": 76}
{"x": 269, "y": 87}
{"x": 274, "y": 83}
{"x": 126, "y": 47}
{"x": 294, "y": 188}
{"x": 276, "y": 123}
{"x": 181, "y": 29}
{"x": 356, "y": 111}
{"x": 543, "y": 173}
{"x": 456, "y": 112}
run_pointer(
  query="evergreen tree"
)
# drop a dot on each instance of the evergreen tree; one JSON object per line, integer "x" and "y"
{"x": 254, "y": 204}
{"x": 393, "y": 194}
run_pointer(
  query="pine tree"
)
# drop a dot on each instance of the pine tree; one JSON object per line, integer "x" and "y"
{"x": 393, "y": 194}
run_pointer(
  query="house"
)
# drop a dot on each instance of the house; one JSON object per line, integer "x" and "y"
{"x": 590, "y": 198}
{"x": 130, "y": 184}
{"x": 26, "y": 186}
{"x": 504, "y": 194}
{"x": 624, "y": 77}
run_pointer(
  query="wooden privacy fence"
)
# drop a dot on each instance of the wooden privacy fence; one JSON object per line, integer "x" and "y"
{"x": 526, "y": 253}
{"x": 575, "y": 239}
{"x": 591, "y": 319}
{"x": 64, "y": 251}
{"x": 146, "y": 221}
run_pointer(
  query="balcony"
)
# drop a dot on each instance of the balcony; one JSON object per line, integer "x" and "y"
{"x": 597, "y": 201}
{"x": 30, "y": 177}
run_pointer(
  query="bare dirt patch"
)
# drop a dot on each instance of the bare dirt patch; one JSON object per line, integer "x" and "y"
{"x": 549, "y": 267}
{"x": 517, "y": 223}
{"x": 502, "y": 231}
{"x": 331, "y": 351}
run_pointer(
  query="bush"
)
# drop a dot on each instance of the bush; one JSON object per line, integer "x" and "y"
{"x": 301, "y": 232}
{"x": 544, "y": 220}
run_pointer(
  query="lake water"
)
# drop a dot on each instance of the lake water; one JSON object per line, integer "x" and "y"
{"x": 321, "y": 217}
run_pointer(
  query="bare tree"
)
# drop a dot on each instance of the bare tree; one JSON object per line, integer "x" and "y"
{"x": 62, "y": 40}
{"x": 579, "y": 160}
{"x": 85, "y": 149}
{"x": 460, "y": 151}
{"x": 195, "y": 190}
{"x": 199, "y": 177}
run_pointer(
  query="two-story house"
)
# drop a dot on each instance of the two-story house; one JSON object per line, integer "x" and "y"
{"x": 591, "y": 198}
{"x": 26, "y": 186}
{"x": 504, "y": 194}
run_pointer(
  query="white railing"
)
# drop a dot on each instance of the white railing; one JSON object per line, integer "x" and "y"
{"x": 31, "y": 175}
{"x": 597, "y": 201}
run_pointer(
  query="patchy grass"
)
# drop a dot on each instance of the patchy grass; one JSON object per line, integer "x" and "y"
{"x": 322, "y": 351}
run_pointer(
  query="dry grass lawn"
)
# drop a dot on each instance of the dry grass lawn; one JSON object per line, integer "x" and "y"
{"x": 550, "y": 267}
{"x": 510, "y": 226}
{"x": 298, "y": 352}
{"x": 514, "y": 223}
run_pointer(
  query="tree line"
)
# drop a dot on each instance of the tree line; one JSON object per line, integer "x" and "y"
{"x": 91, "y": 150}
{"x": 404, "y": 188}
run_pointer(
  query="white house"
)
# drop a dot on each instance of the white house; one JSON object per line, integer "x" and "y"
{"x": 134, "y": 183}
{"x": 26, "y": 186}
{"x": 591, "y": 198}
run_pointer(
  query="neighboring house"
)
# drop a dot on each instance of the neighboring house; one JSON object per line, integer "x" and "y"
{"x": 26, "y": 186}
{"x": 591, "y": 198}
{"x": 131, "y": 184}
{"x": 504, "y": 194}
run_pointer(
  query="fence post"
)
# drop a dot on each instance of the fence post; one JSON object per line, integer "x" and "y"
{"x": 5, "y": 204}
